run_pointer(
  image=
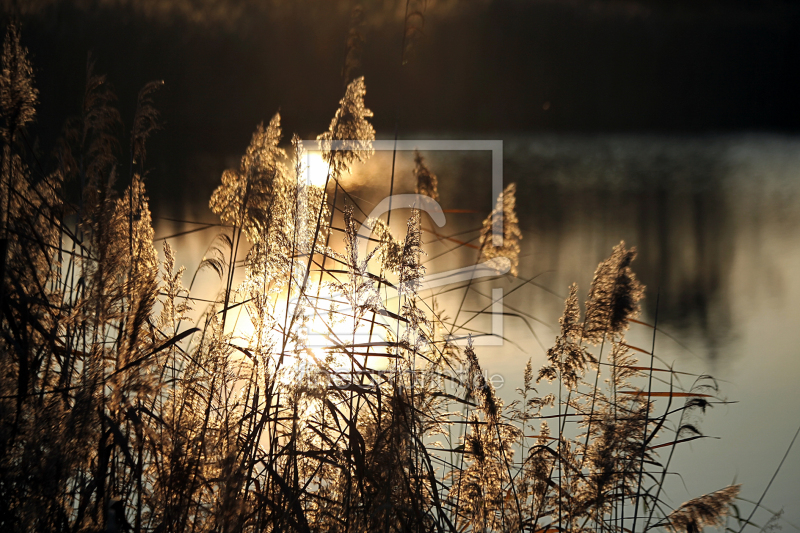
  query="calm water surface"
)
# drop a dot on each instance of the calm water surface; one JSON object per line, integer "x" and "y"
{"x": 716, "y": 221}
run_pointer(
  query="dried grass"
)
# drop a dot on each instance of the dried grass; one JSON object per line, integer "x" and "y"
{"x": 118, "y": 414}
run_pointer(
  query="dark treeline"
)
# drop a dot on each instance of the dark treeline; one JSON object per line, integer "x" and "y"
{"x": 525, "y": 66}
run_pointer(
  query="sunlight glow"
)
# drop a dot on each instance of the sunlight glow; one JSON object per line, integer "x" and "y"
{"x": 329, "y": 341}
{"x": 316, "y": 171}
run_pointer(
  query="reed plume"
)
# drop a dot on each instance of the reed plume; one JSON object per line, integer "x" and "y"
{"x": 349, "y": 136}
{"x": 508, "y": 248}
{"x": 18, "y": 95}
{"x": 427, "y": 182}
{"x": 697, "y": 513}
{"x": 567, "y": 359}
{"x": 614, "y": 296}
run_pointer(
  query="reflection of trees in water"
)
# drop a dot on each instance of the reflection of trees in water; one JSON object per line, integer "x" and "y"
{"x": 687, "y": 205}
{"x": 666, "y": 197}
{"x": 687, "y": 250}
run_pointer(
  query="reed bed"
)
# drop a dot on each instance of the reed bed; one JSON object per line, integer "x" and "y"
{"x": 120, "y": 413}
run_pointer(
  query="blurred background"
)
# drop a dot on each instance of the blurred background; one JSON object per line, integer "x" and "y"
{"x": 670, "y": 124}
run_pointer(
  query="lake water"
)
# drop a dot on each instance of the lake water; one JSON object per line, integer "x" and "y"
{"x": 716, "y": 222}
